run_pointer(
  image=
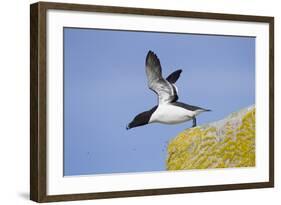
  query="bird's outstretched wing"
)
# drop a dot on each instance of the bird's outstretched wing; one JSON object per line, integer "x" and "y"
{"x": 174, "y": 76}
{"x": 165, "y": 90}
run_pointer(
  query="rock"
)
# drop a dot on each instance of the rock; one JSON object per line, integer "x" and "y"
{"x": 229, "y": 142}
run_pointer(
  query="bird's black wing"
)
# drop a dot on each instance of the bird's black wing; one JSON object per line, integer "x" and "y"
{"x": 174, "y": 76}
{"x": 165, "y": 90}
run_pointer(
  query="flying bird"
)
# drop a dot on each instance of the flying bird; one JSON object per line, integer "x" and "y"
{"x": 168, "y": 110}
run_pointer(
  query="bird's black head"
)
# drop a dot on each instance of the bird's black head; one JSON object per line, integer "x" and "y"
{"x": 141, "y": 119}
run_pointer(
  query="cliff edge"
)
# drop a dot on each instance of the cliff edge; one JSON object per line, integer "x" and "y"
{"x": 227, "y": 143}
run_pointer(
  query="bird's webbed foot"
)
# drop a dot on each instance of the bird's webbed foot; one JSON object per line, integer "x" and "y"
{"x": 194, "y": 122}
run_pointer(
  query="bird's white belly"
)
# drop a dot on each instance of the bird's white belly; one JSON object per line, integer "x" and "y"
{"x": 170, "y": 114}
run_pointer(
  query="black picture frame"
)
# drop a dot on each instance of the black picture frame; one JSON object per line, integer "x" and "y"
{"x": 38, "y": 100}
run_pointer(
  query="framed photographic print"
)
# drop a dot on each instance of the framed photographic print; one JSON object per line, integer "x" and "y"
{"x": 134, "y": 102}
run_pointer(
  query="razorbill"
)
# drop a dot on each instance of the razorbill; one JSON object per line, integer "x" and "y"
{"x": 168, "y": 110}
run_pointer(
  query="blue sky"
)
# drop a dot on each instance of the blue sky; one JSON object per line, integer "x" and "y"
{"x": 105, "y": 86}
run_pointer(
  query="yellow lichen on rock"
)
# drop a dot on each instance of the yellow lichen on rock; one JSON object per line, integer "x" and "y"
{"x": 226, "y": 143}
